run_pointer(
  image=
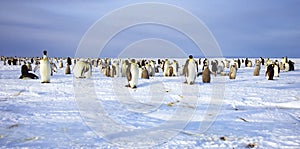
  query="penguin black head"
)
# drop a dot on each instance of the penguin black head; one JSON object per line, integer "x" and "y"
{"x": 190, "y": 56}
{"x": 45, "y": 52}
{"x": 133, "y": 61}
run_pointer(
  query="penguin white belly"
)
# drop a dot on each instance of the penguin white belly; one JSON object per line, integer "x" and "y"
{"x": 140, "y": 70}
{"x": 166, "y": 69}
{"x": 134, "y": 75}
{"x": 276, "y": 73}
{"x": 45, "y": 71}
{"x": 175, "y": 69}
{"x": 286, "y": 67}
{"x": 123, "y": 69}
{"x": 192, "y": 71}
{"x": 152, "y": 69}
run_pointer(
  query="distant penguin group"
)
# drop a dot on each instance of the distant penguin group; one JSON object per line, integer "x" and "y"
{"x": 144, "y": 69}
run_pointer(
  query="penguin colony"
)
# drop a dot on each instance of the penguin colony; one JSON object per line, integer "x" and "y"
{"x": 135, "y": 69}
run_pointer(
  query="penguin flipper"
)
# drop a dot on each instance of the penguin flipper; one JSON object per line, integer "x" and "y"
{"x": 128, "y": 73}
{"x": 53, "y": 67}
{"x": 199, "y": 74}
{"x": 36, "y": 68}
{"x": 184, "y": 72}
{"x": 129, "y": 76}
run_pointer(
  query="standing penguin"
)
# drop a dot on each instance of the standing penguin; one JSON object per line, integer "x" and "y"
{"x": 61, "y": 64}
{"x": 257, "y": 69}
{"x": 67, "y": 70}
{"x": 270, "y": 72}
{"x": 166, "y": 67}
{"x": 246, "y": 62}
{"x": 116, "y": 68}
{"x": 190, "y": 70}
{"x": 276, "y": 69}
{"x": 214, "y": 67}
{"x": 125, "y": 64}
{"x": 291, "y": 65}
{"x": 151, "y": 68}
{"x": 206, "y": 75}
{"x": 262, "y": 61}
{"x": 232, "y": 73}
{"x": 175, "y": 68}
{"x": 145, "y": 73}
{"x": 69, "y": 61}
{"x": 45, "y": 68}
{"x": 239, "y": 63}
{"x": 132, "y": 74}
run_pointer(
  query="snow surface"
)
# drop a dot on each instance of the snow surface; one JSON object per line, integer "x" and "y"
{"x": 161, "y": 113}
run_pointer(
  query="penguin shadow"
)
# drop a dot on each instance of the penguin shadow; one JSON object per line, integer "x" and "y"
{"x": 148, "y": 83}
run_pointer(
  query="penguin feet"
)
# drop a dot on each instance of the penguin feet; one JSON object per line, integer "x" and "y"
{"x": 185, "y": 82}
{"x": 45, "y": 82}
{"x": 191, "y": 83}
{"x": 128, "y": 85}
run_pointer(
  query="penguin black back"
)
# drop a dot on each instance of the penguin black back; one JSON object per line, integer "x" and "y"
{"x": 270, "y": 72}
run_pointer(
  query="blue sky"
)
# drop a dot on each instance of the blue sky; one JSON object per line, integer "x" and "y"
{"x": 268, "y": 28}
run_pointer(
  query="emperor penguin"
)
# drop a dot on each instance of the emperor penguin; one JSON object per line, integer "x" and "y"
{"x": 190, "y": 70}
{"x": 107, "y": 71}
{"x": 69, "y": 61}
{"x": 151, "y": 68}
{"x": 45, "y": 68}
{"x": 145, "y": 73}
{"x": 262, "y": 60}
{"x": 132, "y": 74}
{"x": 67, "y": 69}
{"x": 276, "y": 69}
{"x": 26, "y": 74}
{"x": 221, "y": 67}
{"x": 214, "y": 67}
{"x": 291, "y": 65}
{"x": 286, "y": 67}
{"x": 82, "y": 69}
{"x": 206, "y": 74}
{"x": 61, "y": 64}
{"x": 113, "y": 71}
{"x": 165, "y": 67}
{"x": 125, "y": 64}
{"x": 175, "y": 66}
{"x": 4, "y": 61}
{"x": 270, "y": 72}
{"x": 257, "y": 69}
{"x": 232, "y": 73}
{"x": 115, "y": 64}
